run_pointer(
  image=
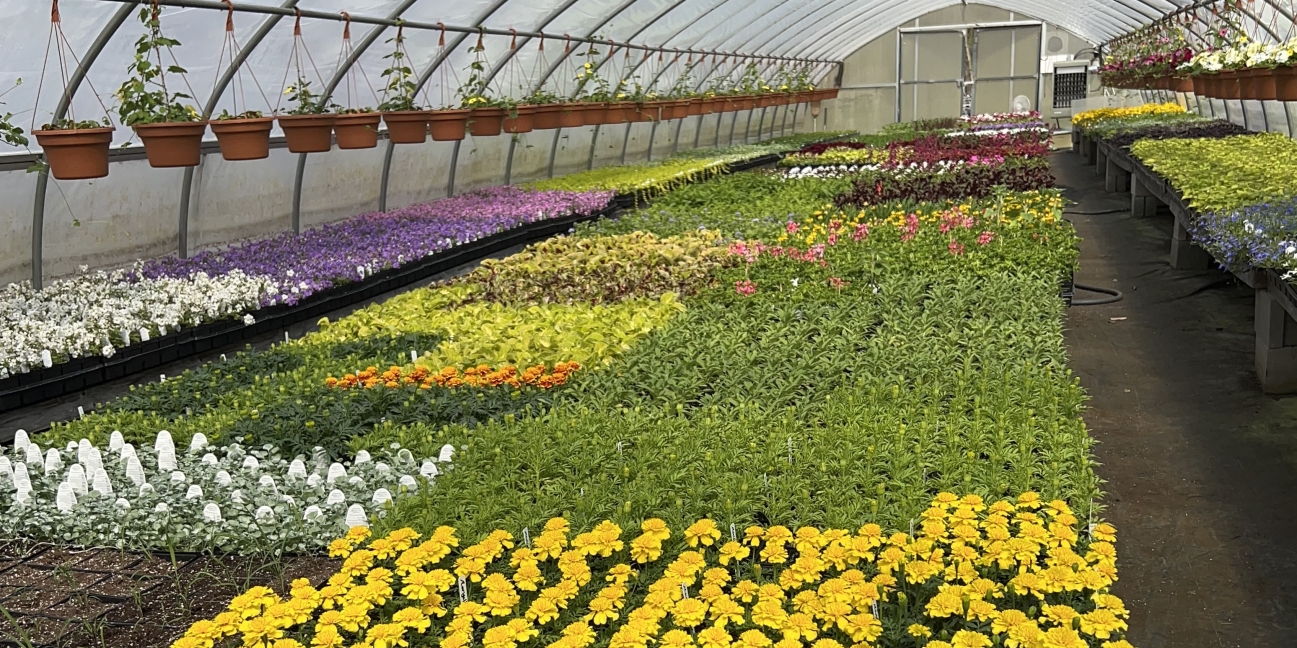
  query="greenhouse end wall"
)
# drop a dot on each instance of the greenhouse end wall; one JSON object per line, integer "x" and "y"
{"x": 872, "y": 76}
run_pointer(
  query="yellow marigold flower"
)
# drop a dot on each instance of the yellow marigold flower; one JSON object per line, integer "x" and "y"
{"x": 327, "y": 637}
{"x": 800, "y": 626}
{"x": 542, "y": 611}
{"x": 689, "y": 613}
{"x": 656, "y": 529}
{"x": 714, "y": 637}
{"x": 725, "y": 611}
{"x": 770, "y": 614}
{"x": 944, "y": 605}
{"x": 191, "y": 642}
{"x": 703, "y": 532}
{"x": 919, "y": 630}
{"x": 970, "y": 639}
{"x": 340, "y": 548}
{"x": 752, "y": 535}
{"x": 619, "y": 573}
{"x": 1063, "y": 638}
{"x": 1105, "y": 532}
{"x": 937, "y": 644}
{"x": 528, "y": 577}
{"x": 1120, "y": 643}
{"x": 645, "y": 549}
{"x": 789, "y": 642}
{"x": 602, "y": 611}
{"x": 774, "y": 553}
{"x": 432, "y": 604}
{"x": 754, "y": 639}
{"x": 1029, "y": 500}
{"x": 472, "y": 610}
{"x": 1060, "y": 614}
{"x": 826, "y": 643}
{"x": 745, "y": 590}
{"x": 259, "y": 630}
{"x": 1101, "y": 623}
{"x": 733, "y": 551}
{"x": 771, "y": 591}
{"x": 676, "y": 639}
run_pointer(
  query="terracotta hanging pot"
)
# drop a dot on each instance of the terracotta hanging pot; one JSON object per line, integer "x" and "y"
{"x": 1199, "y": 85}
{"x": 646, "y": 112}
{"x": 357, "y": 130}
{"x": 407, "y": 126}
{"x": 521, "y": 122}
{"x": 485, "y": 122}
{"x": 308, "y": 133}
{"x": 571, "y": 115}
{"x": 448, "y": 125}
{"x": 79, "y": 154}
{"x": 172, "y": 144}
{"x": 1264, "y": 87}
{"x": 244, "y": 139}
{"x": 547, "y": 116}
{"x": 765, "y": 101}
{"x": 594, "y": 114}
{"x": 710, "y": 107}
{"x": 681, "y": 109}
{"x": 617, "y": 112}
{"x": 1229, "y": 85}
{"x": 1246, "y": 88}
{"x": 1285, "y": 79}
{"x": 695, "y": 107}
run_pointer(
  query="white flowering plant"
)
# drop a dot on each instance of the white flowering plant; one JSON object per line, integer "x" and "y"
{"x": 98, "y": 313}
{"x": 248, "y": 500}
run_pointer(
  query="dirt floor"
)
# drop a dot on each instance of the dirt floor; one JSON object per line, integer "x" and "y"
{"x": 1200, "y": 465}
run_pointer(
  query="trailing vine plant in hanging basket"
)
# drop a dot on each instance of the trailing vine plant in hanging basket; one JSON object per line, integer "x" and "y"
{"x": 171, "y": 130}
{"x": 407, "y": 121}
{"x": 487, "y": 112}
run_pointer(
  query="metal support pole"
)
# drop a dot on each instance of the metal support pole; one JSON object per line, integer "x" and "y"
{"x": 553, "y": 150}
{"x": 734, "y": 122}
{"x": 594, "y": 139}
{"x": 625, "y": 141}
{"x": 187, "y": 185}
{"x": 797, "y": 109}
{"x": 675, "y": 142}
{"x": 653, "y": 133}
{"x": 508, "y": 164}
{"x": 698, "y": 130}
{"x": 61, "y": 111}
{"x": 450, "y": 180}
{"x": 386, "y": 178}
{"x": 720, "y": 116}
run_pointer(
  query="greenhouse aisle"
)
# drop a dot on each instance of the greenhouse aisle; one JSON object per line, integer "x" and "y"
{"x": 1200, "y": 465}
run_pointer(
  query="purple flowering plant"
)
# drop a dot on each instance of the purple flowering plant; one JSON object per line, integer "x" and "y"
{"x": 352, "y": 249}
{"x": 1259, "y": 236}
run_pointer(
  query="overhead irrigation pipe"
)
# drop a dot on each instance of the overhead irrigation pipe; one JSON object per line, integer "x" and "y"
{"x": 61, "y": 111}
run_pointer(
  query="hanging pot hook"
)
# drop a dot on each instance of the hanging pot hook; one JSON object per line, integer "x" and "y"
{"x": 229, "y": 16}
{"x": 297, "y": 24}
{"x": 481, "y": 32}
{"x": 513, "y": 44}
{"x": 54, "y": 13}
{"x": 346, "y": 27}
{"x": 441, "y": 41}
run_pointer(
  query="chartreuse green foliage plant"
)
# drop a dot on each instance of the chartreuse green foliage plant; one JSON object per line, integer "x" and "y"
{"x": 741, "y": 205}
{"x": 1013, "y": 572}
{"x": 604, "y": 269}
{"x": 1227, "y": 173}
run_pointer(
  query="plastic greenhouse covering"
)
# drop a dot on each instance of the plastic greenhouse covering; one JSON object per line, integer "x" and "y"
{"x": 525, "y": 46}
{"x": 825, "y": 30}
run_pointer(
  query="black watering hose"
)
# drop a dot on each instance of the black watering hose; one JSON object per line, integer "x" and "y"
{"x": 1115, "y": 295}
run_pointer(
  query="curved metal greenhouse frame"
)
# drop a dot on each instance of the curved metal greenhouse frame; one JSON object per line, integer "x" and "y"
{"x": 773, "y": 32}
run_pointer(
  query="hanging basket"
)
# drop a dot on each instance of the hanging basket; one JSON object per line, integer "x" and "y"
{"x": 1285, "y": 83}
{"x": 308, "y": 133}
{"x": 357, "y": 130}
{"x": 172, "y": 144}
{"x": 1264, "y": 84}
{"x": 408, "y": 126}
{"x": 646, "y": 112}
{"x": 522, "y": 122}
{"x": 76, "y": 154}
{"x": 694, "y": 107}
{"x": 485, "y": 122}
{"x": 594, "y": 114}
{"x": 1246, "y": 84}
{"x": 1228, "y": 85}
{"x": 766, "y": 101}
{"x": 547, "y": 116}
{"x": 244, "y": 139}
{"x": 448, "y": 125}
{"x": 571, "y": 115}
{"x": 618, "y": 112}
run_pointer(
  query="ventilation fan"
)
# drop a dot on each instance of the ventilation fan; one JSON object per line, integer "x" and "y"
{"x": 1021, "y": 104}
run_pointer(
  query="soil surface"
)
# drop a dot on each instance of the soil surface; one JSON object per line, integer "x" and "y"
{"x": 131, "y": 600}
{"x": 1200, "y": 464}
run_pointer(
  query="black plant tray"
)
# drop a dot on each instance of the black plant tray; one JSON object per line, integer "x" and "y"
{"x": 81, "y": 373}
